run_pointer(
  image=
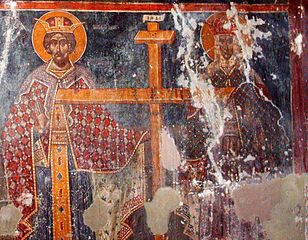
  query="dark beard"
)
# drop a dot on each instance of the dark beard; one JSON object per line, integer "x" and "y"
{"x": 62, "y": 62}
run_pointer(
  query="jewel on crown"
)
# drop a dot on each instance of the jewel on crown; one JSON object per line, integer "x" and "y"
{"x": 58, "y": 24}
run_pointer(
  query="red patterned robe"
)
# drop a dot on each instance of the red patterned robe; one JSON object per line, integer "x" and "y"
{"x": 98, "y": 144}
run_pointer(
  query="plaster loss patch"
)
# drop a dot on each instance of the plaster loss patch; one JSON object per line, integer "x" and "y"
{"x": 9, "y": 218}
{"x": 165, "y": 201}
{"x": 279, "y": 203}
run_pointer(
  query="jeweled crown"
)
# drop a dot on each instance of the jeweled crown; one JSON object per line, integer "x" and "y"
{"x": 223, "y": 26}
{"x": 58, "y": 24}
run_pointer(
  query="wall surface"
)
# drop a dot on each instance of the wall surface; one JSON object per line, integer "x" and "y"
{"x": 153, "y": 120}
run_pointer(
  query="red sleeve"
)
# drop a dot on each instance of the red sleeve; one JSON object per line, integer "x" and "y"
{"x": 17, "y": 140}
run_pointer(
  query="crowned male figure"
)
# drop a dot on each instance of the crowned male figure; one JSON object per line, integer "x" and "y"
{"x": 97, "y": 143}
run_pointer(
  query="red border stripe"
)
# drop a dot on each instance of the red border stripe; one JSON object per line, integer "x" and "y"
{"x": 299, "y": 109}
{"x": 138, "y": 7}
{"x": 191, "y": 7}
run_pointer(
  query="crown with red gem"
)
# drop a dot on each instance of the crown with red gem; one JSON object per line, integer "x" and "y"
{"x": 58, "y": 24}
{"x": 221, "y": 24}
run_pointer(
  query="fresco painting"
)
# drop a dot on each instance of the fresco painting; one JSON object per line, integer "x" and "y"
{"x": 152, "y": 121}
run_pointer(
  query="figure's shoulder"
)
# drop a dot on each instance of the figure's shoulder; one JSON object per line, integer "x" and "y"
{"x": 37, "y": 72}
{"x": 38, "y": 75}
{"x": 212, "y": 67}
{"x": 208, "y": 71}
{"x": 82, "y": 70}
{"x": 84, "y": 73}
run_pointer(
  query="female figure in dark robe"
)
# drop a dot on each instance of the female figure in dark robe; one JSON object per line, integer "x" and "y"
{"x": 252, "y": 140}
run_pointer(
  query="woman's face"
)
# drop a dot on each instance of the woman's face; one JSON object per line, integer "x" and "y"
{"x": 226, "y": 45}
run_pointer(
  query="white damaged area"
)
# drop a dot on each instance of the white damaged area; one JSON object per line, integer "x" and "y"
{"x": 96, "y": 216}
{"x": 298, "y": 44}
{"x": 12, "y": 27}
{"x": 204, "y": 93}
{"x": 158, "y": 211}
{"x": 9, "y": 219}
{"x": 169, "y": 155}
{"x": 249, "y": 28}
{"x": 278, "y": 203}
{"x": 26, "y": 199}
{"x": 245, "y": 30}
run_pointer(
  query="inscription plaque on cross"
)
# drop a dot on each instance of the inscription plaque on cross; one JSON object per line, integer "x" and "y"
{"x": 154, "y": 95}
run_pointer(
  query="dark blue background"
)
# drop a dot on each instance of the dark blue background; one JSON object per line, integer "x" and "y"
{"x": 111, "y": 54}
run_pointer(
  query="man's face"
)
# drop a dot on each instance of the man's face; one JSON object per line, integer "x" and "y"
{"x": 226, "y": 43}
{"x": 59, "y": 48}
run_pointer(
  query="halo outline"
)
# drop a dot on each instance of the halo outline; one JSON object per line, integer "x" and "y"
{"x": 38, "y": 34}
{"x": 209, "y": 44}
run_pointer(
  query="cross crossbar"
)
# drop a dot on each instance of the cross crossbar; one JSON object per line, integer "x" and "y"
{"x": 122, "y": 96}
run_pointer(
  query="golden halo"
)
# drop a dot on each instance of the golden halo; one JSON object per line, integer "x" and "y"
{"x": 39, "y": 33}
{"x": 208, "y": 32}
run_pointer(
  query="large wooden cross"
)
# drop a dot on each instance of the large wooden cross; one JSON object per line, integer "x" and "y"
{"x": 154, "y": 95}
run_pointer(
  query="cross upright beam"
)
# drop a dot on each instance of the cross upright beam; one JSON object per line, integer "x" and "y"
{"x": 154, "y": 38}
